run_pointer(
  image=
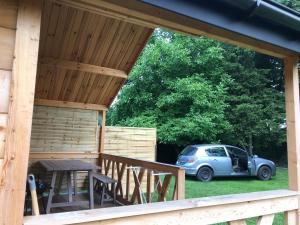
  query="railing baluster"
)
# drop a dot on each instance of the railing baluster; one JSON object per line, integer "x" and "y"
{"x": 290, "y": 217}
{"x": 265, "y": 220}
{"x": 127, "y": 183}
{"x": 149, "y": 185}
{"x": 116, "y": 166}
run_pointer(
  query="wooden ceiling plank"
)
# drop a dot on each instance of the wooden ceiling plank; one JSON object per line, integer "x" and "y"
{"x": 65, "y": 85}
{"x": 93, "y": 84}
{"x": 106, "y": 30}
{"x": 60, "y": 76}
{"x": 134, "y": 55}
{"x": 59, "y": 35}
{"x": 88, "y": 37}
{"x": 46, "y": 13}
{"x": 84, "y": 86}
{"x": 70, "y": 86}
{"x": 99, "y": 86}
{"x": 84, "y": 36}
{"x": 129, "y": 64}
{"x": 105, "y": 45}
{"x": 53, "y": 23}
{"x": 119, "y": 39}
{"x": 77, "y": 21}
{"x": 77, "y": 85}
{"x": 132, "y": 46}
{"x": 83, "y": 67}
{"x": 146, "y": 15}
{"x": 66, "y": 104}
{"x": 96, "y": 38}
{"x": 132, "y": 37}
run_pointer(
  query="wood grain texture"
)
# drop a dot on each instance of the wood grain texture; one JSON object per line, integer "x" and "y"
{"x": 67, "y": 104}
{"x": 7, "y": 45}
{"x": 83, "y": 67}
{"x": 8, "y": 12}
{"x": 5, "y": 77}
{"x": 146, "y": 15}
{"x": 83, "y": 47}
{"x": 204, "y": 211}
{"x": 63, "y": 129}
{"x": 14, "y": 168}
{"x": 3, "y": 124}
{"x": 139, "y": 143}
{"x": 293, "y": 123}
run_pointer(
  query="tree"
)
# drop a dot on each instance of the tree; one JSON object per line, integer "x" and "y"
{"x": 178, "y": 86}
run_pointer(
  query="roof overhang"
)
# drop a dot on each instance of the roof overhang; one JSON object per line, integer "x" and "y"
{"x": 262, "y": 20}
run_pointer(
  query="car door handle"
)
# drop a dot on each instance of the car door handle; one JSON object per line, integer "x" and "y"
{"x": 215, "y": 160}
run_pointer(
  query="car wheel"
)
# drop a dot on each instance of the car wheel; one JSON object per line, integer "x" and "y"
{"x": 205, "y": 174}
{"x": 264, "y": 173}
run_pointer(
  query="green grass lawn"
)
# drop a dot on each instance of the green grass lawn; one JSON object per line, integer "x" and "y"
{"x": 224, "y": 186}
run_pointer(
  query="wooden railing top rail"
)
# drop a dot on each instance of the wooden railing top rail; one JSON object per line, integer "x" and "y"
{"x": 143, "y": 163}
{"x": 206, "y": 210}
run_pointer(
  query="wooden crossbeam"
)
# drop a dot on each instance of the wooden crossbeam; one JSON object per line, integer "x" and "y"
{"x": 83, "y": 67}
{"x": 66, "y": 104}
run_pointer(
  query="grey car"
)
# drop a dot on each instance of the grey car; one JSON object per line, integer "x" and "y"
{"x": 214, "y": 160}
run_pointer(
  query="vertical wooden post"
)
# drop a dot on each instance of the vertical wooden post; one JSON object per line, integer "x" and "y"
{"x": 180, "y": 184}
{"x": 14, "y": 170}
{"x": 102, "y": 132}
{"x": 293, "y": 123}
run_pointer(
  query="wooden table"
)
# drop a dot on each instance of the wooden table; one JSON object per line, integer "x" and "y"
{"x": 68, "y": 167}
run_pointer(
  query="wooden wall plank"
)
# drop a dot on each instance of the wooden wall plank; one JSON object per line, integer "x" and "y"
{"x": 3, "y": 124}
{"x": 14, "y": 169}
{"x": 5, "y": 77}
{"x": 64, "y": 129}
{"x": 7, "y": 45}
{"x": 8, "y": 12}
{"x": 134, "y": 142}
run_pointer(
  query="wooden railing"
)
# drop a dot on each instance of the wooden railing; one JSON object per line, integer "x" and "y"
{"x": 140, "y": 181}
{"x": 232, "y": 209}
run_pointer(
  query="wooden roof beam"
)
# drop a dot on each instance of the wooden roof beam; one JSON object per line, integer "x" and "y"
{"x": 66, "y": 104}
{"x": 83, "y": 67}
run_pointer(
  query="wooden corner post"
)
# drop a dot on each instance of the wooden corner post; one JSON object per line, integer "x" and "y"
{"x": 102, "y": 131}
{"x": 16, "y": 151}
{"x": 293, "y": 128}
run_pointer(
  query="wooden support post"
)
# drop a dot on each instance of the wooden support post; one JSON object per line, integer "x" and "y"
{"x": 293, "y": 123}
{"x": 180, "y": 185}
{"x": 102, "y": 132}
{"x": 16, "y": 152}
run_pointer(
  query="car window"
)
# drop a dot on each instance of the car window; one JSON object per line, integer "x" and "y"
{"x": 216, "y": 151}
{"x": 189, "y": 150}
{"x": 236, "y": 151}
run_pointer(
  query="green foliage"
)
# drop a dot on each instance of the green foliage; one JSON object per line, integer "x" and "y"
{"x": 178, "y": 86}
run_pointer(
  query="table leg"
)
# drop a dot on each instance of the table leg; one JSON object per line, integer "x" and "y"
{"x": 69, "y": 184}
{"x": 60, "y": 180}
{"x": 51, "y": 192}
{"x": 75, "y": 182}
{"x": 91, "y": 189}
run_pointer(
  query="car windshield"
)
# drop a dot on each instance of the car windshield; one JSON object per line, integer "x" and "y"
{"x": 189, "y": 150}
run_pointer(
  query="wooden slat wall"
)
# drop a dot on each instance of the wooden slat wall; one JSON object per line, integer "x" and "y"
{"x": 63, "y": 129}
{"x": 8, "y": 22}
{"x": 66, "y": 133}
{"x": 133, "y": 142}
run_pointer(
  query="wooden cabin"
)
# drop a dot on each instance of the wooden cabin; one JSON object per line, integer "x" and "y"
{"x": 73, "y": 56}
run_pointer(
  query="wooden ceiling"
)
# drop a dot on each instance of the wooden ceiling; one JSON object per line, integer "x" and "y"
{"x": 85, "y": 57}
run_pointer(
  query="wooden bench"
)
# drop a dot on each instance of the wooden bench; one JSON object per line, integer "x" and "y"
{"x": 103, "y": 182}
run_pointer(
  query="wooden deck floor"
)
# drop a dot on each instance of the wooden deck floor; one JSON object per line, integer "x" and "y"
{"x": 62, "y": 198}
